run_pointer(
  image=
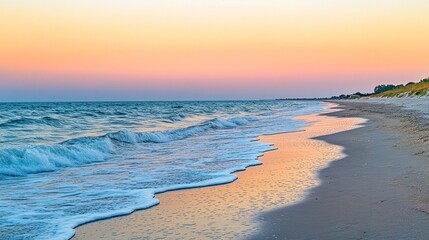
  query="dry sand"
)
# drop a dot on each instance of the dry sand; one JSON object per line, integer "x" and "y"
{"x": 231, "y": 211}
{"x": 379, "y": 191}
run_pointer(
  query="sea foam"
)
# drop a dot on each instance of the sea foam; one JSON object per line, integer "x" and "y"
{"x": 75, "y": 152}
{"x": 107, "y": 159}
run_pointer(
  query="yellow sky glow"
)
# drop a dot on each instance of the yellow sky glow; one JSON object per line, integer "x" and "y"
{"x": 235, "y": 39}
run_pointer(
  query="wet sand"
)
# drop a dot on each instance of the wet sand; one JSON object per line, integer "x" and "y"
{"x": 231, "y": 211}
{"x": 379, "y": 191}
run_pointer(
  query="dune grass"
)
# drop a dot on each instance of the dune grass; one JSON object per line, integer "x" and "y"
{"x": 418, "y": 89}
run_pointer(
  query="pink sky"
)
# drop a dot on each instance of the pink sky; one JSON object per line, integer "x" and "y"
{"x": 183, "y": 49}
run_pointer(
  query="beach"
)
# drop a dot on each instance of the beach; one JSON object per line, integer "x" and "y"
{"x": 232, "y": 211}
{"x": 379, "y": 191}
{"x": 377, "y": 188}
{"x": 202, "y": 119}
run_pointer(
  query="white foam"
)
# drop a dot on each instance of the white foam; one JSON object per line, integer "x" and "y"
{"x": 34, "y": 159}
{"x": 116, "y": 173}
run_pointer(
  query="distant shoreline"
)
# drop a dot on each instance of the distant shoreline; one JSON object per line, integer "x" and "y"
{"x": 303, "y": 99}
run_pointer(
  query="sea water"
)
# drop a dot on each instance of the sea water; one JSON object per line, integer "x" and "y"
{"x": 65, "y": 164}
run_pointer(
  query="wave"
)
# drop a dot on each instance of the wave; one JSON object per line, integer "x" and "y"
{"x": 178, "y": 117}
{"x": 50, "y": 121}
{"x": 36, "y": 159}
{"x": 231, "y": 123}
{"x": 178, "y": 134}
{"x": 84, "y": 150}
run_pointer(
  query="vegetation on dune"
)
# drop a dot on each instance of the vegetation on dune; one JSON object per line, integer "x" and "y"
{"x": 419, "y": 89}
{"x": 411, "y": 89}
{"x": 384, "y": 88}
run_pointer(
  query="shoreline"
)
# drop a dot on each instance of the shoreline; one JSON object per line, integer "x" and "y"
{"x": 218, "y": 203}
{"x": 378, "y": 191}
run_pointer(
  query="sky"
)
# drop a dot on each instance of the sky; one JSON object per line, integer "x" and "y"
{"x": 56, "y": 50}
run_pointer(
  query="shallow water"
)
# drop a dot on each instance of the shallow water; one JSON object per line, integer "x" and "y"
{"x": 63, "y": 164}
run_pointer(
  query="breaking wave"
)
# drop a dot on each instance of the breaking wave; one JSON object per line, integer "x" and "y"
{"x": 35, "y": 159}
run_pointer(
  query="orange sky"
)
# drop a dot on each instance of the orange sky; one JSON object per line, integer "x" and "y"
{"x": 213, "y": 43}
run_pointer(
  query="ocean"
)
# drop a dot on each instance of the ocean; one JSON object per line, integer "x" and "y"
{"x": 65, "y": 164}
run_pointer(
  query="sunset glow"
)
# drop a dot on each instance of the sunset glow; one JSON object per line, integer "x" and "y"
{"x": 230, "y": 46}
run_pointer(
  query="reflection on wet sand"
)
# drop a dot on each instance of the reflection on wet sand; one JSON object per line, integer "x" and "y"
{"x": 231, "y": 210}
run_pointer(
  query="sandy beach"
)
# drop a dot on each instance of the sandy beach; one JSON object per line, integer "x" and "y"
{"x": 379, "y": 191}
{"x": 232, "y": 211}
{"x": 202, "y": 119}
